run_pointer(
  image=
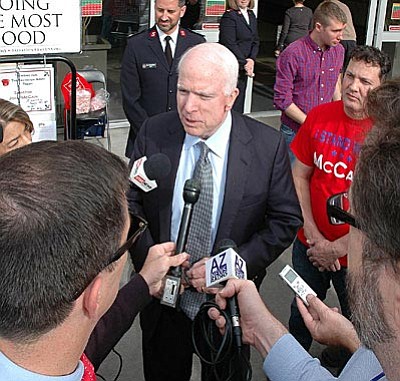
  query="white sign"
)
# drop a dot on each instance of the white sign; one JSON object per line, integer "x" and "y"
{"x": 37, "y": 27}
{"x": 33, "y": 85}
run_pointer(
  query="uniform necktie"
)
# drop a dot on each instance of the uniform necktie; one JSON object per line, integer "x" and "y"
{"x": 168, "y": 51}
{"x": 199, "y": 238}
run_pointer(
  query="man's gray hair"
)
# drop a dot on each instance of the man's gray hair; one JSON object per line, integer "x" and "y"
{"x": 218, "y": 57}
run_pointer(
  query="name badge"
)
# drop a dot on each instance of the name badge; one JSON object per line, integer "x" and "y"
{"x": 149, "y": 66}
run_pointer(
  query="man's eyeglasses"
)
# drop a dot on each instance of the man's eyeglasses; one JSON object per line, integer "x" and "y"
{"x": 137, "y": 228}
{"x": 337, "y": 207}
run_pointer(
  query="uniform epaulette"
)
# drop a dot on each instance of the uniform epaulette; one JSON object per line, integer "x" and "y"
{"x": 189, "y": 31}
{"x": 136, "y": 34}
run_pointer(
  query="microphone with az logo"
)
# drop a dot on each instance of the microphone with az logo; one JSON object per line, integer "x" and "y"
{"x": 227, "y": 264}
{"x": 145, "y": 172}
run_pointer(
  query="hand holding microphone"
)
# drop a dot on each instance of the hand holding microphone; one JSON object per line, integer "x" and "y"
{"x": 227, "y": 264}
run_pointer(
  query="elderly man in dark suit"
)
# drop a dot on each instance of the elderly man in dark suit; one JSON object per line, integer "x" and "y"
{"x": 148, "y": 73}
{"x": 254, "y": 201}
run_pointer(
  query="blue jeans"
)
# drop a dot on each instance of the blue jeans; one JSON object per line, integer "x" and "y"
{"x": 320, "y": 282}
{"x": 289, "y": 135}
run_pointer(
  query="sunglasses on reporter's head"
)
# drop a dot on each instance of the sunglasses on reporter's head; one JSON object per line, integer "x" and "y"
{"x": 338, "y": 207}
{"x": 137, "y": 227}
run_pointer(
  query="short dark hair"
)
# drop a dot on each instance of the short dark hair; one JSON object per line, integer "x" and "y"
{"x": 383, "y": 103}
{"x": 328, "y": 11}
{"x": 62, "y": 213}
{"x": 181, "y": 3}
{"x": 375, "y": 195}
{"x": 373, "y": 56}
{"x": 10, "y": 112}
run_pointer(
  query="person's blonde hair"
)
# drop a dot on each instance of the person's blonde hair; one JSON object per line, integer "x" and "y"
{"x": 10, "y": 112}
{"x": 232, "y": 4}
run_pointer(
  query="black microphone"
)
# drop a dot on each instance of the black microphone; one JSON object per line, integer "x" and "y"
{"x": 191, "y": 193}
{"x": 224, "y": 249}
{"x": 146, "y": 172}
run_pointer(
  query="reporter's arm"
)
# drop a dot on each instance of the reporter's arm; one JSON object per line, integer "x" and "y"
{"x": 130, "y": 300}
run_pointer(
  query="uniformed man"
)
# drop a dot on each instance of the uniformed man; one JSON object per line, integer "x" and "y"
{"x": 148, "y": 74}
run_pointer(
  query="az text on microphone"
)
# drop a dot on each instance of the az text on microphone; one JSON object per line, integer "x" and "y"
{"x": 223, "y": 266}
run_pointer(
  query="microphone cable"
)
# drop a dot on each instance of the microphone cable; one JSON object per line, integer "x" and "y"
{"x": 213, "y": 348}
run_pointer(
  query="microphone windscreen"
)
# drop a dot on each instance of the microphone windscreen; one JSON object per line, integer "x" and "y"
{"x": 157, "y": 166}
{"x": 225, "y": 244}
{"x": 191, "y": 191}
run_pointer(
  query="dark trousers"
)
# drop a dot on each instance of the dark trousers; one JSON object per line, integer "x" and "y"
{"x": 320, "y": 283}
{"x": 167, "y": 346}
{"x": 242, "y": 83}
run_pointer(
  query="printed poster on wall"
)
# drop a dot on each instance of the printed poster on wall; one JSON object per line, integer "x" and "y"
{"x": 37, "y": 27}
{"x": 32, "y": 87}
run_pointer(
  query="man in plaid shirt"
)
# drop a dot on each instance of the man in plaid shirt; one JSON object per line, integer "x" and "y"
{"x": 307, "y": 71}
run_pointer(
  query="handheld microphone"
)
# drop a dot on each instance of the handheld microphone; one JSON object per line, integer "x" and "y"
{"x": 227, "y": 264}
{"x": 145, "y": 172}
{"x": 191, "y": 193}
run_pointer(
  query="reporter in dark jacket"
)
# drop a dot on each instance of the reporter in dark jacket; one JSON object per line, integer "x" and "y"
{"x": 238, "y": 32}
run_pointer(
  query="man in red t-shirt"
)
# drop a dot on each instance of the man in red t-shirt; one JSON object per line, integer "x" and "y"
{"x": 326, "y": 149}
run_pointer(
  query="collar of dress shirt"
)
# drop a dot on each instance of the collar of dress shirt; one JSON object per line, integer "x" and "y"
{"x": 314, "y": 45}
{"x": 173, "y": 35}
{"x": 218, "y": 142}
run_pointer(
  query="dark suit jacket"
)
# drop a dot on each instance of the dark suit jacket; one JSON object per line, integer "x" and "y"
{"x": 260, "y": 212}
{"x": 148, "y": 84}
{"x": 238, "y": 36}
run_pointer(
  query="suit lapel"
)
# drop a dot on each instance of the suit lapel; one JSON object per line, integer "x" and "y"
{"x": 244, "y": 20}
{"x": 253, "y": 20}
{"x": 172, "y": 147}
{"x": 239, "y": 159}
{"x": 181, "y": 44}
{"x": 155, "y": 46}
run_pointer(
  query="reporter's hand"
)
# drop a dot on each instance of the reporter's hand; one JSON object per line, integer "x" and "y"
{"x": 327, "y": 325}
{"x": 259, "y": 327}
{"x": 159, "y": 260}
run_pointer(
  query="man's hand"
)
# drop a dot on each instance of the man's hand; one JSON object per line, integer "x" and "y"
{"x": 325, "y": 254}
{"x": 322, "y": 255}
{"x": 249, "y": 67}
{"x": 326, "y": 325}
{"x": 196, "y": 275}
{"x": 259, "y": 327}
{"x": 159, "y": 259}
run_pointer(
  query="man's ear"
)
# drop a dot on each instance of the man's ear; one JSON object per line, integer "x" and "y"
{"x": 92, "y": 297}
{"x": 182, "y": 11}
{"x": 318, "y": 26}
{"x": 231, "y": 99}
